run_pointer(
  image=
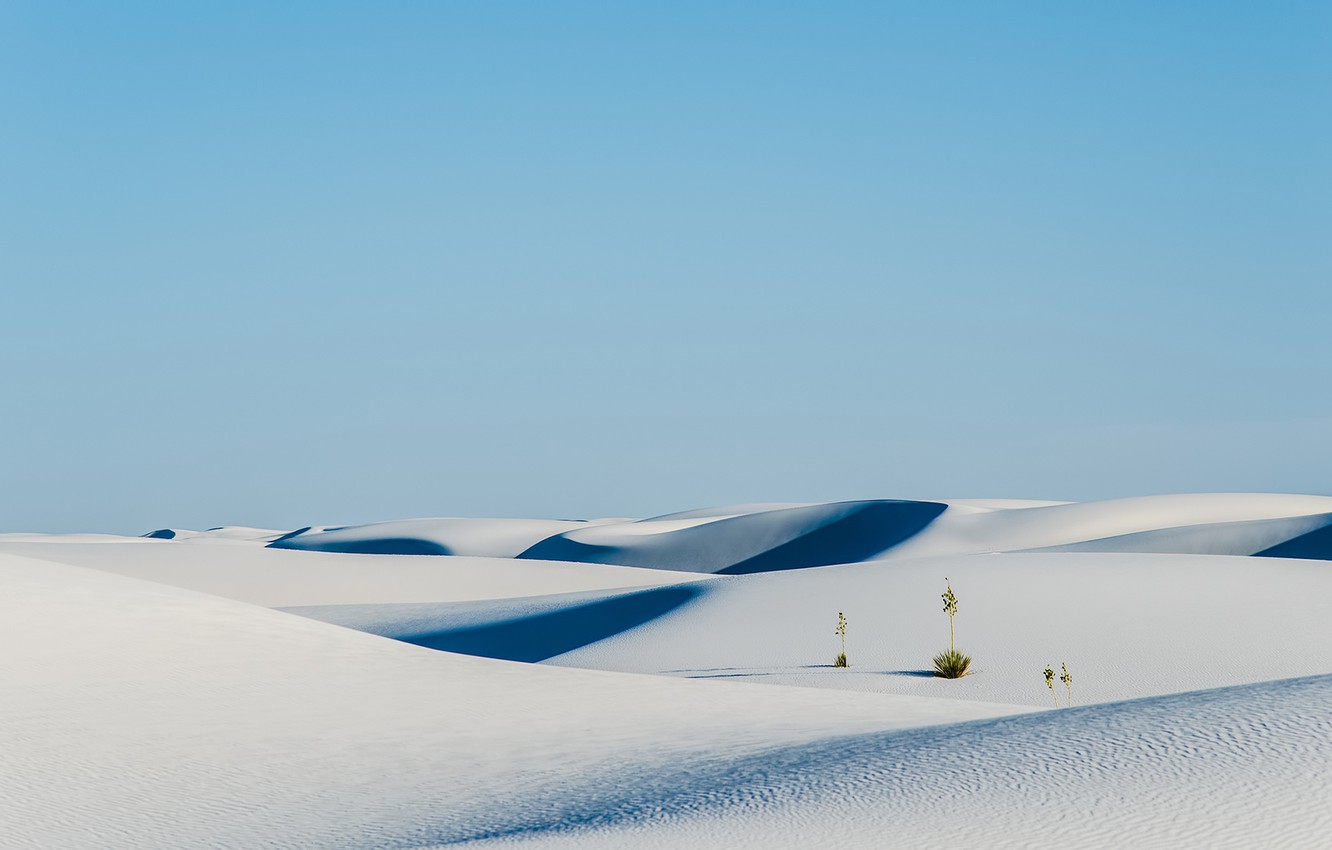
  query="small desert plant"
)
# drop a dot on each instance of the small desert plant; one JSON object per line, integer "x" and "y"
{"x": 1067, "y": 679}
{"x": 951, "y": 664}
{"x": 1049, "y": 683}
{"x": 840, "y": 660}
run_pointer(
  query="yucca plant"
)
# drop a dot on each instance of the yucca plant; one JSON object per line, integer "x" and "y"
{"x": 1049, "y": 683}
{"x": 1067, "y": 679}
{"x": 840, "y": 660}
{"x": 951, "y": 664}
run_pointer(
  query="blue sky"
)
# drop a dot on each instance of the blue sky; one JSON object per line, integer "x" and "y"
{"x": 281, "y": 264}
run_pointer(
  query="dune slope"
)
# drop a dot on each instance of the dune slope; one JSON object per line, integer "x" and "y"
{"x": 1128, "y": 625}
{"x": 761, "y": 541}
{"x": 500, "y": 538}
{"x": 144, "y": 716}
{"x": 279, "y": 577}
{"x": 1237, "y": 767}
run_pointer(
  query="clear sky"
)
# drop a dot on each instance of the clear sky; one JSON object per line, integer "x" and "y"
{"x": 291, "y": 263}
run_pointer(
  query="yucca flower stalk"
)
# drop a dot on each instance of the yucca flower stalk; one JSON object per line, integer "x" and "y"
{"x": 1049, "y": 683}
{"x": 840, "y": 660}
{"x": 951, "y": 664}
{"x": 1067, "y": 679}
{"x": 950, "y": 606}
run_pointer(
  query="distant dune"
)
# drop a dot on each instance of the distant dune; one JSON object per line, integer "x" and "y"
{"x": 499, "y": 538}
{"x": 762, "y": 538}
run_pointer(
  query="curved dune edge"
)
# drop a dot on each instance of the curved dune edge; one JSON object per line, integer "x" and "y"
{"x": 1227, "y": 767}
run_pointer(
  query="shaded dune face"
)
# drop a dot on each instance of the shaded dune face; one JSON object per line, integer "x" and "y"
{"x": 512, "y": 630}
{"x": 1306, "y": 537}
{"x": 865, "y": 531}
{"x": 783, "y": 539}
{"x": 485, "y": 537}
{"x": 850, "y": 532}
{"x": 545, "y": 635}
{"x": 380, "y": 546}
{"x": 1314, "y": 545}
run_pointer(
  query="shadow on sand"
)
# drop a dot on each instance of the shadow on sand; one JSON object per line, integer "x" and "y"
{"x": 544, "y": 635}
{"x": 864, "y": 532}
{"x": 380, "y": 546}
{"x": 1315, "y": 545}
{"x": 765, "y": 541}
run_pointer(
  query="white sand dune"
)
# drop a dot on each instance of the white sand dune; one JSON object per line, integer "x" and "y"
{"x": 1127, "y": 625}
{"x": 762, "y": 540}
{"x": 151, "y": 696}
{"x": 279, "y": 577}
{"x": 221, "y": 533}
{"x": 747, "y": 539}
{"x": 138, "y": 715}
{"x": 1205, "y": 524}
{"x": 500, "y": 538}
{"x": 22, "y": 537}
{"x": 739, "y": 539}
{"x": 1241, "y": 767}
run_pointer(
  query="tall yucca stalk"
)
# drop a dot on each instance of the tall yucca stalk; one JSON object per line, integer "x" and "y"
{"x": 840, "y": 660}
{"x": 1049, "y": 683}
{"x": 1067, "y": 679}
{"x": 950, "y": 606}
{"x": 951, "y": 664}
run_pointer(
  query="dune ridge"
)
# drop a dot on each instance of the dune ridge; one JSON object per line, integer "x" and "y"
{"x": 766, "y": 537}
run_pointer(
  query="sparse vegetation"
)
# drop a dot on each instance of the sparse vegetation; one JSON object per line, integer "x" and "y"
{"x": 1067, "y": 679}
{"x": 951, "y": 664}
{"x": 1049, "y": 683}
{"x": 840, "y": 660}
